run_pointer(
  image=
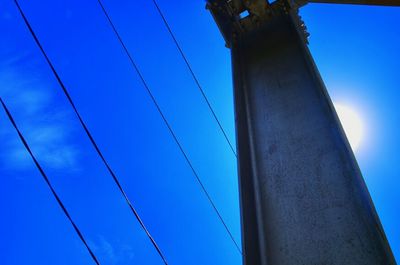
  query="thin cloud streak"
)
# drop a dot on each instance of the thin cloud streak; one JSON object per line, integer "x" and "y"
{"x": 47, "y": 127}
{"x": 113, "y": 253}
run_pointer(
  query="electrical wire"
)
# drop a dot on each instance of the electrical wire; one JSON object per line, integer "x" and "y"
{"x": 90, "y": 135}
{"x": 46, "y": 179}
{"x": 149, "y": 92}
{"x": 196, "y": 80}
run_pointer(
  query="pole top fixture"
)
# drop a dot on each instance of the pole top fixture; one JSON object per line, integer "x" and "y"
{"x": 235, "y": 17}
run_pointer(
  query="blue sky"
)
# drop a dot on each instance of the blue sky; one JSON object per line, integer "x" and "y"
{"x": 356, "y": 50}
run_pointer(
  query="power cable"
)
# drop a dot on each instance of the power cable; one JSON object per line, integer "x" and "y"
{"x": 196, "y": 80}
{"x": 90, "y": 136}
{"x": 136, "y": 68}
{"x": 46, "y": 179}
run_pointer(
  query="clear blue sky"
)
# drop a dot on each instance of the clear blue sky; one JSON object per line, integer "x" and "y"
{"x": 356, "y": 49}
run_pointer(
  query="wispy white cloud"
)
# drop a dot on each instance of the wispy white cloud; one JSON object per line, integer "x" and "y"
{"x": 113, "y": 253}
{"x": 46, "y": 126}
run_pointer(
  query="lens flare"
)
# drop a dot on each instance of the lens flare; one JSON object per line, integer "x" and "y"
{"x": 352, "y": 125}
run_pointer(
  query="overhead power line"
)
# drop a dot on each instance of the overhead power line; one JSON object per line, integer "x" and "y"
{"x": 196, "y": 80}
{"x": 109, "y": 169}
{"x": 153, "y": 99}
{"x": 46, "y": 179}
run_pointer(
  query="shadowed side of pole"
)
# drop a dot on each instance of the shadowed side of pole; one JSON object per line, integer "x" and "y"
{"x": 303, "y": 197}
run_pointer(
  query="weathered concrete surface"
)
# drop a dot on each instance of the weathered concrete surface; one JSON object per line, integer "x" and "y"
{"x": 303, "y": 199}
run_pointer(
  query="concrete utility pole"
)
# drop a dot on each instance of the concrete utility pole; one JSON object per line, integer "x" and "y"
{"x": 303, "y": 199}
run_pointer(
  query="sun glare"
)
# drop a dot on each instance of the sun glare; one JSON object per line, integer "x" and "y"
{"x": 352, "y": 125}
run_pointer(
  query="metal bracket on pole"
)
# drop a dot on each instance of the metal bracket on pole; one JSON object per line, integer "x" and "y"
{"x": 235, "y": 17}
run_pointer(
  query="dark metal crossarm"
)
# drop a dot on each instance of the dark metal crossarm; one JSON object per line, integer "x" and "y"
{"x": 356, "y": 2}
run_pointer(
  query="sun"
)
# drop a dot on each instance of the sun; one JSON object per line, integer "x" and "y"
{"x": 352, "y": 124}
